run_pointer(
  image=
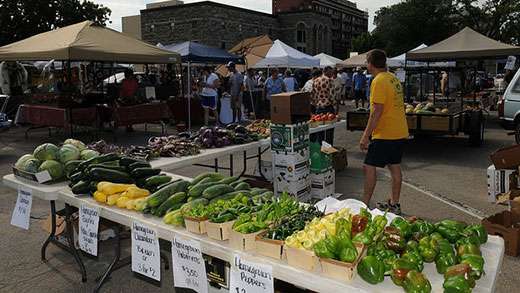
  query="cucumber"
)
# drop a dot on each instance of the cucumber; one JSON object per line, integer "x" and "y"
{"x": 114, "y": 176}
{"x": 203, "y": 181}
{"x": 242, "y": 186}
{"x": 70, "y": 167}
{"x": 230, "y": 195}
{"x": 216, "y": 190}
{"x": 213, "y": 175}
{"x": 140, "y": 182}
{"x": 139, "y": 164}
{"x": 228, "y": 180}
{"x": 175, "y": 207}
{"x": 144, "y": 172}
{"x": 76, "y": 177}
{"x": 166, "y": 184}
{"x": 157, "y": 180}
{"x": 236, "y": 183}
{"x": 82, "y": 187}
{"x": 127, "y": 161}
{"x": 197, "y": 190}
{"x": 106, "y": 166}
{"x": 93, "y": 186}
{"x": 170, "y": 202}
{"x": 98, "y": 160}
{"x": 190, "y": 204}
{"x": 161, "y": 195}
{"x": 257, "y": 191}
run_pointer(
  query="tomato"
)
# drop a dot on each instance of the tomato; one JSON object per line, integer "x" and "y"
{"x": 331, "y": 116}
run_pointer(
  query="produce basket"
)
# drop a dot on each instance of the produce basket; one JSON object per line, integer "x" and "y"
{"x": 301, "y": 258}
{"x": 339, "y": 270}
{"x": 219, "y": 231}
{"x": 315, "y": 124}
{"x": 269, "y": 247}
{"x": 197, "y": 226}
{"x": 242, "y": 241}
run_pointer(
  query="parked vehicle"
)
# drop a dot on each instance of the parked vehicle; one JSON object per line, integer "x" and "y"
{"x": 509, "y": 106}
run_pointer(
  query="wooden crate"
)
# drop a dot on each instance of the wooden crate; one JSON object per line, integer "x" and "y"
{"x": 411, "y": 120}
{"x": 269, "y": 247}
{"x": 339, "y": 270}
{"x": 219, "y": 231}
{"x": 301, "y": 258}
{"x": 243, "y": 242}
{"x": 197, "y": 226}
{"x": 439, "y": 123}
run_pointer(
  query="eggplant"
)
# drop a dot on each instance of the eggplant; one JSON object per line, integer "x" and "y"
{"x": 184, "y": 135}
{"x": 207, "y": 133}
{"x": 226, "y": 141}
{"x": 241, "y": 129}
{"x": 207, "y": 142}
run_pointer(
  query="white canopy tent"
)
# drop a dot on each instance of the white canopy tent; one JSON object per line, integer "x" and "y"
{"x": 282, "y": 55}
{"x": 400, "y": 61}
{"x": 327, "y": 60}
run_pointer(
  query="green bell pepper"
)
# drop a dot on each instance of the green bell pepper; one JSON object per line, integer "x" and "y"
{"x": 412, "y": 245}
{"x": 400, "y": 269}
{"x": 348, "y": 254}
{"x": 321, "y": 250}
{"x": 332, "y": 243}
{"x": 436, "y": 236}
{"x": 456, "y": 284}
{"x": 476, "y": 263}
{"x": 415, "y": 257}
{"x": 463, "y": 270}
{"x": 421, "y": 228}
{"x": 467, "y": 249}
{"x": 477, "y": 231}
{"x": 445, "y": 247}
{"x": 387, "y": 256}
{"x": 450, "y": 229}
{"x": 416, "y": 282}
{"x": 403, "y": 226}
{"x": 371, "y": 270}
{"x": 347, "y": 251}
{"x": 428, "y": 249}
{"x": 444, "y": 261}
{"x": 344, "y": 228}
{"x": 365, "y": 213}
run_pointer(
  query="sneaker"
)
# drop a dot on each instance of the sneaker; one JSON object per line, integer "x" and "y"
{"x": 389, "y": 207}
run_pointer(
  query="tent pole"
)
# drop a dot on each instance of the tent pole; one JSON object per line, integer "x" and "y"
{"x": 189, "y": 96}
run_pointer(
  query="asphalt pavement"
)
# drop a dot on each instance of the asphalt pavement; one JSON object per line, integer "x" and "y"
{"x": 444, "y": 178}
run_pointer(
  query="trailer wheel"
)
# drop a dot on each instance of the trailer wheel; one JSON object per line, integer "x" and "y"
{"x": 477, "y": 127}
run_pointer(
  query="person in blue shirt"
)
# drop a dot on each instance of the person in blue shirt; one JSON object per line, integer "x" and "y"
{"x": 359, "y": 82}
{"x": 273, "y": 85}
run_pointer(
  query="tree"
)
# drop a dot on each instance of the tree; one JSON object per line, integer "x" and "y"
{"x": 366, "y": 42}
{"x": 20, "y": 19}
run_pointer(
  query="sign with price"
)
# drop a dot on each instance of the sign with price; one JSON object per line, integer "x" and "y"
{"x": 88, "y": 229}
{"x": 22, "y": 209}
{"x": 250, "y": 277}
{"x": 146, "y": 258}
{"x": 189, "y": 270}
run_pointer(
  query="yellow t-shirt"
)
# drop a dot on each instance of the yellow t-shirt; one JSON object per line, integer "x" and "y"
{"x": 387, "y": 90}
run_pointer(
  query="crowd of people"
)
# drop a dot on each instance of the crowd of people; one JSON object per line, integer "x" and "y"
{"x": 252, "y": 90}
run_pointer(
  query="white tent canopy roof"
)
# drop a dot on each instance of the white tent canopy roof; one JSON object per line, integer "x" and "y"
{"x": 400, "y": 61}
{"x": 282, "y": 55}
{"x": 327, "y": 60}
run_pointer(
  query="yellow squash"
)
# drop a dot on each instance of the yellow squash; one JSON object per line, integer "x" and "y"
{"x": 110, "y": 188}
{"x": 136, "y": 192}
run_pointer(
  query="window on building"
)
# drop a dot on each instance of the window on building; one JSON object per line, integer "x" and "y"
{"x": 300, "y": 33}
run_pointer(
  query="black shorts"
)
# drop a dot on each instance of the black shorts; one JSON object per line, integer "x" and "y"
{"x": 383, "y": 152}
{"x": 360, "y": 95}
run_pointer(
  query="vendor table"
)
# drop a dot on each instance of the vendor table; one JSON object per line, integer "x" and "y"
{"x": 492, "y": 252}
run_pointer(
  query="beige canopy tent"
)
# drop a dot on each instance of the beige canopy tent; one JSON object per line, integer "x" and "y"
{"x": 86, "y": 41}
{"x": 253, "y": 49}
{"x": 466, "y": 44}
{"x": 354, "y": 61}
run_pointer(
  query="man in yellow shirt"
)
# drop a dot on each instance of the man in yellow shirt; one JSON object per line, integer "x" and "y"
{"x": 386, "y": 131}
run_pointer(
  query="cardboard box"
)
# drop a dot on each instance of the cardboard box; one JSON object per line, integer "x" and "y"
{"x": 243, "y": 242}
{"x": 507, "y": 225}
{"x": 291, "y": 107}
{"x": 289, "y": 138}
{"x": 301, "y": 258}
{"x": 320, "y": 161}
{"x": 498, "y": 182}
{"x": 506, "y": 158}
{"x": 323, "y": 184}
{"x": 197, "y": 226}
{"x": 291, "y": 167}
{"x": 219, "y": 231}
{"x": 269, "y": 247}
{"x": 339, "y": 159}
{"x": 301, "y": 189}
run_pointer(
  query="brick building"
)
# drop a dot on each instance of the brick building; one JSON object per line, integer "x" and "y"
{"x": 308, "y": 29}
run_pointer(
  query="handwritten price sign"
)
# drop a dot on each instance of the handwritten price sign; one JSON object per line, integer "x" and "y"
{"x": 189, "y": 270}
{"x": 250, "y": 277}
{"x": 22, "y": 210}
{"x": 88, "y": 229}
{"x": 146, "y": 258}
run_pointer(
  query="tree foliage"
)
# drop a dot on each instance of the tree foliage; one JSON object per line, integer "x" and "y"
{"x": 366, "y": 42}
{"x": 20, "y": 19}
{"x": 406, "y": 25}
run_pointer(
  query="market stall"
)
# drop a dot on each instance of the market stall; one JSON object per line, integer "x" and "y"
{"x": 327, "y": 60}
{"x": 85, "y": 41}
{"x": 284, "y": 56}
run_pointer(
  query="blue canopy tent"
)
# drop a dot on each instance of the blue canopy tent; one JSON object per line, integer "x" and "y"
{"x": 197, "y": 53}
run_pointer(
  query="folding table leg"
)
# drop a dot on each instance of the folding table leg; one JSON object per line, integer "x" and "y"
{"x": 52, "y": 236}
{"x": 165, "y": 260}
{"x": 72, "y": 247}
{"x": 110, "y": 268}
{"x": 231, "y": 165}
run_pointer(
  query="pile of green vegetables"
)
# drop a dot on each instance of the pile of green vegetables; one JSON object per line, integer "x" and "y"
{"x": 268, "y": 212}
{"x": 291, "y": 224}
{"x": 404, "y": 246}
{"x": 357, "y": 231}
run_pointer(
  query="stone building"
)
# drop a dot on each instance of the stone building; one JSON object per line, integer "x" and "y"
{"x": 309, "y": 30}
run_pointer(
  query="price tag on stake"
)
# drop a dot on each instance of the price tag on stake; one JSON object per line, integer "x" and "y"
{"x": 250, "y": 277}
{"x": 22, "y": 209}
{"x": 189, "y": 270}
{"x": 146, "y": 258}
{"x": 88, "y": 229}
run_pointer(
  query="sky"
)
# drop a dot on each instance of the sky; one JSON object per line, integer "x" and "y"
{"x": 131, "y": 7}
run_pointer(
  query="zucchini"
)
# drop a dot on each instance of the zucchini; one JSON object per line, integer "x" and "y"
{"x": 236, "y": 183}
{"x": 213, "y": 175}
{"x": 228, "y": 180}
{"x": 257, "y": 191}
{"x": 93, "y": 186}
{"x": 114, "y": 176}
{"x": 196, "y": 191}
{"x": 140, "y": 164}
{"x": 127, "y": 161}
{"x": 106, "y": 166}
{"x": 144, "y": 172}
{"x": 76, "y": 177}
{"x": 82, "y": 187}
{"x": 157, "y": 180}
{"x": 216, "y": 190}
{"x": 70, "y": 167}
{"x": 98, "y": 160}
{"x": 140, "y": 182}
{"x": 170, "y": 202}
{"x": 161, "y": 195}
{"x": 230, "y": 195}
{"x": 242, "y": 186}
